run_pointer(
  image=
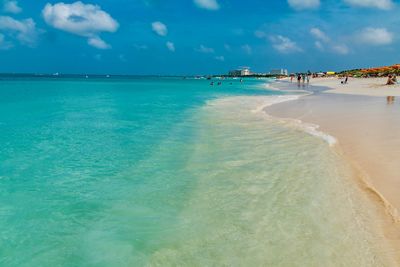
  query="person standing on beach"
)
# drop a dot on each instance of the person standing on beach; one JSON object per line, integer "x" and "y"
{"x": 298, "y": 79}
{"x": 304, "y": 78}
{"x": 390, "y": 100}
{"x": 308, "y": 79}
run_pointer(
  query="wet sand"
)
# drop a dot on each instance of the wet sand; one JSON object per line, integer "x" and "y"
{"x": 368, "y": 132}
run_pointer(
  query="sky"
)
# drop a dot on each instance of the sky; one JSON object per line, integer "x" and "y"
{"x": 190, "y": 37}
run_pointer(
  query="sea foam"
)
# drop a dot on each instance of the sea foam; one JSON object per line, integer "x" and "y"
{"x": 312, "y": 129}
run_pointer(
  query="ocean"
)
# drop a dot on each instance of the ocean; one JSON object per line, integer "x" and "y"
{"x": 152, "y": 171}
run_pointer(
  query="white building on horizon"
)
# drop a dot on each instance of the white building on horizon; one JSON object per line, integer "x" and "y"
{"x": 244, "y": 71}
{"x": 279, "y": 72}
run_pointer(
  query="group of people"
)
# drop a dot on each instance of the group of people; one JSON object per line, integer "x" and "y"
{"x": 302, "y": 78}
{"x": 219, "y": 83}
{"x": 392, "y": 79}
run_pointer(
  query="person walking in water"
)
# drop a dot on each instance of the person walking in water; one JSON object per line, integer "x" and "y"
{"x": 308, "y": 79}
{"x": 303, "y": 76}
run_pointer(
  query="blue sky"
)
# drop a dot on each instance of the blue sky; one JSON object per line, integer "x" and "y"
{"x": 182, "y": 37}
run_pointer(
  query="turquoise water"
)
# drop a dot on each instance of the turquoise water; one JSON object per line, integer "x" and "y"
{"x": 170, "y": 172}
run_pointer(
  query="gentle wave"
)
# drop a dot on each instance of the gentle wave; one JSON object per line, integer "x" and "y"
{"x": 258, "y": 104}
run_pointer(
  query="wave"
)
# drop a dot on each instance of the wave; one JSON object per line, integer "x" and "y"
{"x": 312, "y": 129}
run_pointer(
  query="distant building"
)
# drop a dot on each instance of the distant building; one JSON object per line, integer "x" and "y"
{"x": 279, "y": 72}
{"x": 245, "y": 71}
{"x": 235, "y": 73}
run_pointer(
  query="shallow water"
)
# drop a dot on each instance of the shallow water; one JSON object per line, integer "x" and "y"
{"x": 170, "y": 172}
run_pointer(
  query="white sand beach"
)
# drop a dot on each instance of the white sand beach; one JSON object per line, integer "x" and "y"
{"x": 364, "y": 116}
{"x": 356, "y": 86}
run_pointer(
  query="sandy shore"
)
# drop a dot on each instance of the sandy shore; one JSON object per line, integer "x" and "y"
{"x": 367, "y": 126}
{"x": 355, "y": 86}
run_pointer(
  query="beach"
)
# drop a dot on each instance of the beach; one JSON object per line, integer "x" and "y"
{"x": 143, "y": 171}
{"x": 364, "y": 117}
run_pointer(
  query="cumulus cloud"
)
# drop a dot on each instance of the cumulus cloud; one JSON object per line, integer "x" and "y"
{"x": 324, "y": 43}
{"x": 205, "y": 49}
{"x": 284, "y": 45}
{"x": 207, "y": 4}
{"x": 24, "y": 30}
{"x": 304, "y": 4}
{"x": 11, "y": 6}
{"x": 341, "y": 49}
{"x": 375, "y": 36}
{"x": 159, "y": 28}
{"x": 170, "y": 46}
{"x": 98, "y": 43}
{"x": 220, "y": 58}
{"x": 85, "y": 20}
{"x": 319, "y": 45}
{"x": 380, "y": 4}
{"x": 320, "y": 35}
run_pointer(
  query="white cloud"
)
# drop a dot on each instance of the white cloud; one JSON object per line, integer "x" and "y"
{"x": 247, "y": 49}
{"x": 81, "y": 19}
{"x": 159, "y": 28}
{"x": 220, "y": 58}
{"x": 205, "y": 49}
{"x": 380, "y": 4}
{"x": 319, "y": 45}
{"x": 304, "y": 4}
{"x": 170, "y": 46}
{"x": 324, "y": 43}
{"x": 375, "y": 36}
{"x": 24, "y": 30}
{"x": 284, "y": 45}
{"x": 341, "y": 49}
{"x": 11, "y": 6}
{"x": 98, "y": 43}
{"x": 207, "y": 4}
{"x": 320, "y": 35}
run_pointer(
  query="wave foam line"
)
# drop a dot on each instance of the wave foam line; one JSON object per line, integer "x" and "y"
{"x": 312, "y": 129}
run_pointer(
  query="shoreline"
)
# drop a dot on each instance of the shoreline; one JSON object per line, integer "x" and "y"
{"x": 320, "y": 107}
